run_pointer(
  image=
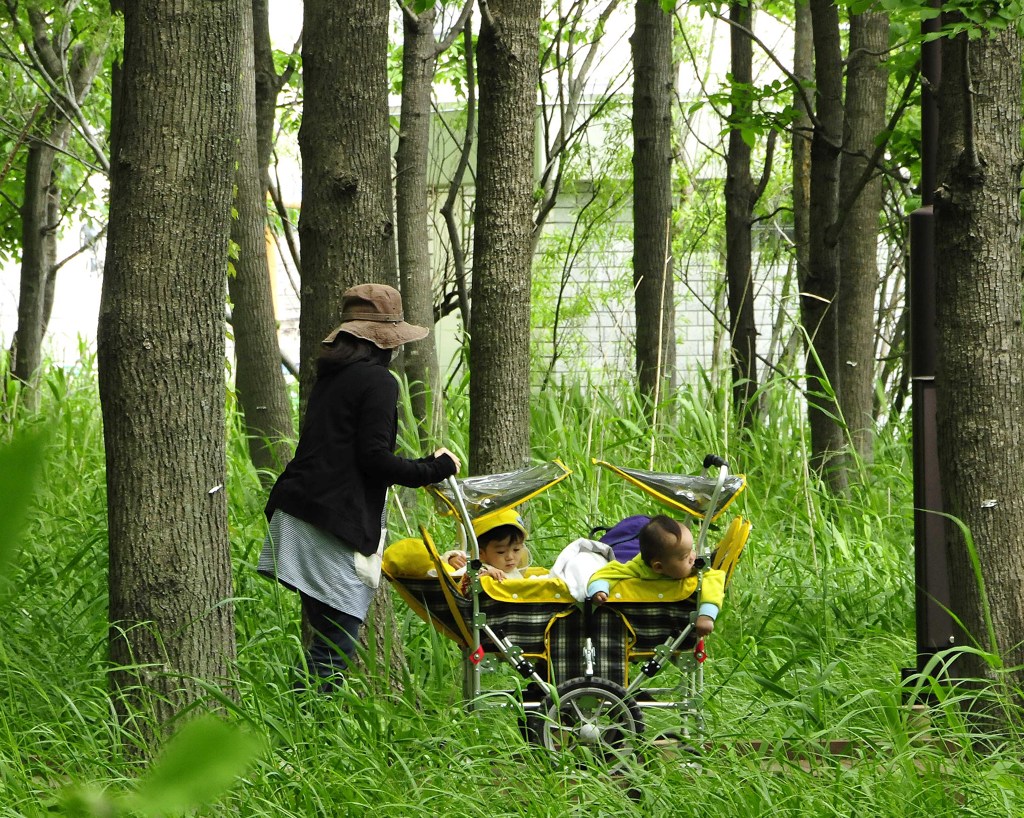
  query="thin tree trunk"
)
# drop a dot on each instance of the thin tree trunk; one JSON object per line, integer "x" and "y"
{"x": 866, "y": 83}
{"x": 161, "y": 357}
{"x": 652, "y": 198}
{"x": 499, "y": 426}
{"x": 259, "y": 380}
{"x": 979, "y": 383}
{"x": 739, "y": 210}
{"x": 803, "y": 70}
{"x": 820, "y": 289}
{"x": 420, "y": 359}
{"x": 37, "y": 257}
{"x": 42, "y": 196}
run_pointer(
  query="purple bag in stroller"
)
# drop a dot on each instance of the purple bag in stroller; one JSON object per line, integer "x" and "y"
{"x": 624, "y": 537}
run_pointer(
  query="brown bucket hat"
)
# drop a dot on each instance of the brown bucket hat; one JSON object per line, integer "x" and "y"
{"x": 373, "y": 312}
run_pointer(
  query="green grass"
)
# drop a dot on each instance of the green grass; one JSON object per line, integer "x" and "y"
{"x": 808, "y": 650}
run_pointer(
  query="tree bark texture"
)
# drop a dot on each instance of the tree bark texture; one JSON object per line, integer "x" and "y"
{"x": 161, "y": 353}
{"x": 41, "y": 200}
{"x": 347, "y": 226}
{"x": 411, "y": 201}
{"x": 980, "y": 360}
{"x": 499, "y": 426}
{"x": 867, "y": 79}
{"x": 819, "y": 291}
{"x": 652, "y": 197}
{"x": 803, "y": 70}
{"x": 739, "y": 211}
{"x": 259, "y": 381}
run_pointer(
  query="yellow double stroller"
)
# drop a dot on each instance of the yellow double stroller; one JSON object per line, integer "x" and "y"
{"x": 588, "y": 673}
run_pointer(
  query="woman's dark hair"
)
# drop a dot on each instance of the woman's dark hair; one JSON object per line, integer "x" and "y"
{"x": 347, "y": 349}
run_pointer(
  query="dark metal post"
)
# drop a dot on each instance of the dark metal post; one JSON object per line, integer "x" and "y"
{"x": 934, "y": 624}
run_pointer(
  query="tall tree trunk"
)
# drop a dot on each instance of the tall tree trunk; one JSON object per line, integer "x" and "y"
{"x": 347, "y": 226}
{"x": 739, "y": 210}
{"x": 819, "y": 292}
{"x": 980, "y": 362}
{"x": 652, "y": 198}
{"x": 161, "y": 355}
{"x": 499, "y": 389}
{"x": 803, "y": 70}
{"x": 866, "y": 82}
{"x": 420, "y": 359}
{"x": 259, "y": 380}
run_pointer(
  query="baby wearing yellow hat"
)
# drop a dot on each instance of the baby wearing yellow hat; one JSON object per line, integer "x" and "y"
{"x": 501, "y": 538}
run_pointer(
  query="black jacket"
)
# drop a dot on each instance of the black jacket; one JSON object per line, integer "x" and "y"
{"x": 345, "y": 459}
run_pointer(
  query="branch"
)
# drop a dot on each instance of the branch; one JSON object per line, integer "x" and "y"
{"x": 289, "y": 233}
{"x": 41, "y": 48}
{"x": 455, "y": 30}
{"x": 769, "y": 155}
{"x": 488, "y": 18}
{"x": 59, "y": 99}
{"x": 289, "y": 68}
{"x": 409, "y": 14}
{"x": 22, "y": 135}
{"x": 551, "y": 184}
{"x": 87, "y": 246}
{"x": 767, "y": 216}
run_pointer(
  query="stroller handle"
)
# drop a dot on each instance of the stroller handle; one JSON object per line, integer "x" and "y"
{"x": 466, "y": 529}
{"x": 711, "y": 460}
{"x": 714, "y": 460}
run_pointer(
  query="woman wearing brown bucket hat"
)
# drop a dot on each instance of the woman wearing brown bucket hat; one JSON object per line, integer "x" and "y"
{"x": 327, "y": 508}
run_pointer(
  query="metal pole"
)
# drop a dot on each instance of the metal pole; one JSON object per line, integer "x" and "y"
{"x": 934, "y": 624}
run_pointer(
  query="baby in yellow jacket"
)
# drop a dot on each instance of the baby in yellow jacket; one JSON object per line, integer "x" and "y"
{"x": 666, "y": 551}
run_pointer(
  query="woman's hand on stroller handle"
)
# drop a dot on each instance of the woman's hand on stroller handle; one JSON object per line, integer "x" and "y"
{"x": 455, "y": 460}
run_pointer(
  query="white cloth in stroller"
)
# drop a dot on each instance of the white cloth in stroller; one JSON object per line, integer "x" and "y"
{"x": 578, "y": 561}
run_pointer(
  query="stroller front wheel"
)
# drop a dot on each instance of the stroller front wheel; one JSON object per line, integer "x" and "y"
{"x": 596, "y": 715}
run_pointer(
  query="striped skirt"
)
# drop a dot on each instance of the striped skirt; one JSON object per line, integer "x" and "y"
{"x": 305, "y": 558}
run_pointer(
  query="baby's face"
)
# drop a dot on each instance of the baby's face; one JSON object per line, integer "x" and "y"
{"x": 678, "y": 561}
{"x": 502, "y": 554}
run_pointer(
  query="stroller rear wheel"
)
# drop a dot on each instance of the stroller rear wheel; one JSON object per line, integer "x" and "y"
{"x": 595, "y": 716}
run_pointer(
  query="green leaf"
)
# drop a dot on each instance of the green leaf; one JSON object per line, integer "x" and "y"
{"x": 20, "y": 464}
{"x": 199, "y": 763}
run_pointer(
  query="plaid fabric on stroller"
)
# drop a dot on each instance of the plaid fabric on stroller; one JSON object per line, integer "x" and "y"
{"x": 587, "y": 670}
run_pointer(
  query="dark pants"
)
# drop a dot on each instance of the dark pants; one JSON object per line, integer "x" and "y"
{"x": 333, "y": 646}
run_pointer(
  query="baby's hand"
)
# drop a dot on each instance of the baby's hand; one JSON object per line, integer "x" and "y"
{"x": 705, "y": 624}
{"x": 599, "y": 598}
{"x": 457, "y": 560}
{"x": 493, "y": 573}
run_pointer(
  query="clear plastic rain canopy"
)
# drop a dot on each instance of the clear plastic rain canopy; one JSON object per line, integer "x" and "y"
{"x": 689, "y": 493}
{"x": 492, "y": 492}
